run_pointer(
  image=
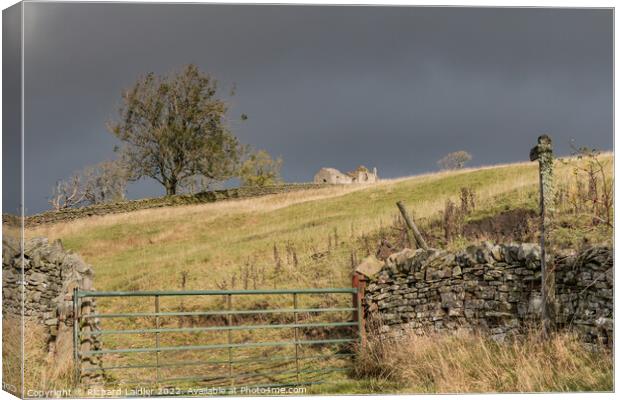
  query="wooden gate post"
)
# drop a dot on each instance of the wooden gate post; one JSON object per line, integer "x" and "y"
{"x": 359, "y": 283}
{"x": 543, "y": 152}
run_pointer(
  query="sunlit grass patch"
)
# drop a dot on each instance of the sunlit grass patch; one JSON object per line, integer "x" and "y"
{"x": 465, "y": 362}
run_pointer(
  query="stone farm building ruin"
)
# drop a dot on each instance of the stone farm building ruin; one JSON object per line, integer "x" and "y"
{"x": 334, "y": 176}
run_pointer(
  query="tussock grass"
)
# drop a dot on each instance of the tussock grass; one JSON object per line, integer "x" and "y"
{"x": 41, "y": 372}
{"x": 12, "y": 355}
{"x": 466, "y": 362}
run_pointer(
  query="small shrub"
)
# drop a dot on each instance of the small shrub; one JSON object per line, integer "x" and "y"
{"x": 592, "y": 194}
{"x": 468, "y": 200}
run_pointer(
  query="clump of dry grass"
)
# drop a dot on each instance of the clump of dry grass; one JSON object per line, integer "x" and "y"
{"x": 42, "y": 373}
{"x": 12, "y": 355}
{"x": 465, "y": 362}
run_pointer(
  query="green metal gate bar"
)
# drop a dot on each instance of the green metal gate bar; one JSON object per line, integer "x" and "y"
{"x": 219, "y": 362}
{"x": 220, "y": 328}
{"x": 228, "y": 328}
{"x": 150, "y": 293}
{"x": 232, "y": 312}
{"x": 215, "y": 346}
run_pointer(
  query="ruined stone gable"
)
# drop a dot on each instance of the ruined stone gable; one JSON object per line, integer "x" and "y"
{"x": 333, "y": 176}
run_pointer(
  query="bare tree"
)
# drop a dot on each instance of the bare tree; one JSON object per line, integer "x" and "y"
{"x": 173, "y": 127}
{"x": 67, "y": 193}
{"x": 101, "y": 183}
{"x": 105, "y": 182}
{"x": 455, "y": 160}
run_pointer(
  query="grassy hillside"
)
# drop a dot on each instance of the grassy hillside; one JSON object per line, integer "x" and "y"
{"x": 148, "y": 249}
{"x": 142, "y": 250}
{"x": 292, "y": 240}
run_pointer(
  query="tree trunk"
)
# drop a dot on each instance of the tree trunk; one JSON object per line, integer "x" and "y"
{"x": 171, "y": 188}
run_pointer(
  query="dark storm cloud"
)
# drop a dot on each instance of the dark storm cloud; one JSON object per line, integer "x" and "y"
{"x": 394, "y": 88}
{"x": 11, "y": 121}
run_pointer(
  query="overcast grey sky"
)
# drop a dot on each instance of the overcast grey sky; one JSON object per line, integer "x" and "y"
{"x": 391, "y": 87}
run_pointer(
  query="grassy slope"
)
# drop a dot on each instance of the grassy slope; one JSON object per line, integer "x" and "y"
{"x": 143, "y": 250}
{"x": 149, "y": 249}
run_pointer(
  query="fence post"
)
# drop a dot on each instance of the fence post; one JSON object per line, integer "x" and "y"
{"x": 296, "y": 337}
{"x": 543, "y": 153}
{"x": 413, "y": 228}
{"x": 76, "y": 337}
{"x": 157, "y": 376}
{"x": 359, "y": 283}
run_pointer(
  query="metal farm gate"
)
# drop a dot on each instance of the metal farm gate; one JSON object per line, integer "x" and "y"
{"x": 272, "y": 338}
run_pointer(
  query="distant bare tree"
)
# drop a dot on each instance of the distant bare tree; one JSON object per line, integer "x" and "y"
{"x": 67, "y": 193}
{"x": 455, "y": 160}
{"x": 101, "y": 183}
{"x": 105, "y": 182}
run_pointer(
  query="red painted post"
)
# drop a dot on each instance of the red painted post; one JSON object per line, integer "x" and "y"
{"x": 359, "y": 282}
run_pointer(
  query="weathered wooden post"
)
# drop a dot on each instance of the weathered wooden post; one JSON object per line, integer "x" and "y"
{"x": 543, "y": 152}
{"x": 413, "y": 228}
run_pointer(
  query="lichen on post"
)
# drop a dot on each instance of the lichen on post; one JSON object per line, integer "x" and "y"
{"x": 543, "y": 153}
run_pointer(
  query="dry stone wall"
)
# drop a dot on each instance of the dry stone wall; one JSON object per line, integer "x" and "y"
{"x": 167, "y": 201}
{"x": 49, "y": 277}
{"x": 491, "y": 288}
